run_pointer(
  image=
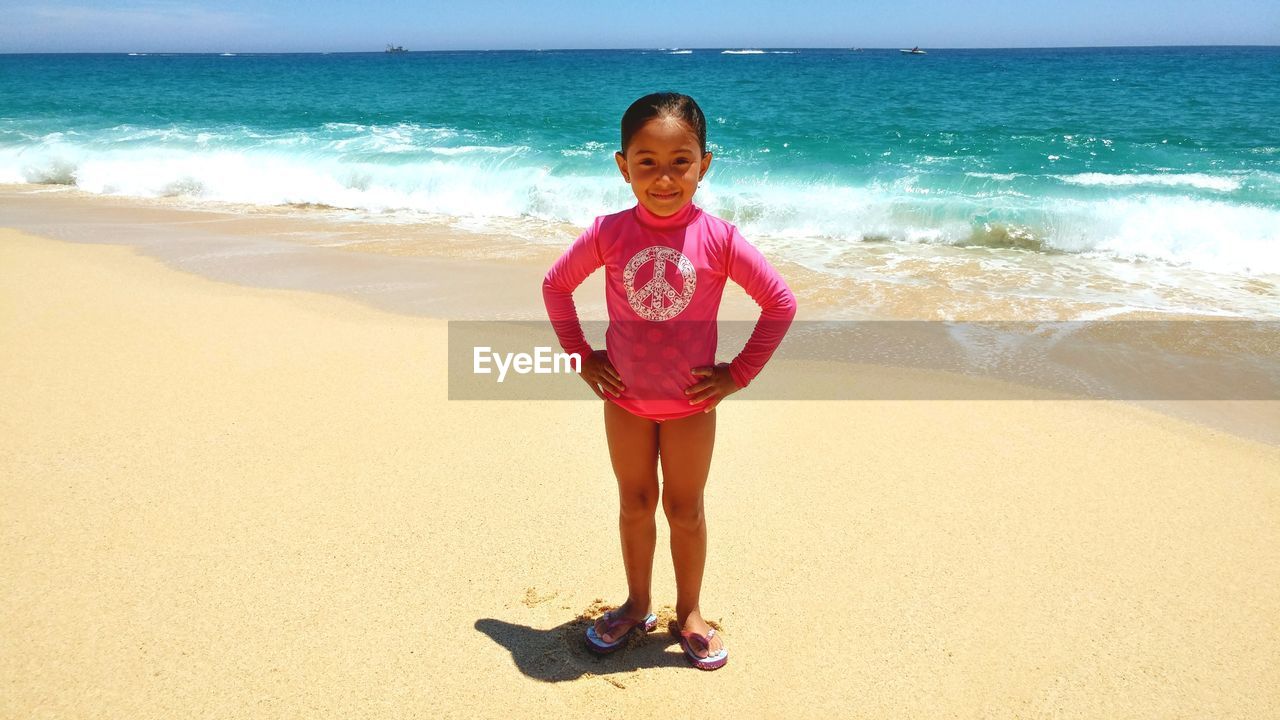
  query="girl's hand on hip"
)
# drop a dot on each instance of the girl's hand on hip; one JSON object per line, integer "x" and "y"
{"x": 717, "y": 385}
{"x": 600, "y": 374}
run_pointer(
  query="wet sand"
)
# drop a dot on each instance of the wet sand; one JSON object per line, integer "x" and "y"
{"x": 1229, "y": 380}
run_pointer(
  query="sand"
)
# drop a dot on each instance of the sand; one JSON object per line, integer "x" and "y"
{"x": 222, "y": 501}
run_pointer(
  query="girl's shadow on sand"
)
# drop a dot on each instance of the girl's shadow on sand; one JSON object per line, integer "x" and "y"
{"x": 561, "y": 653}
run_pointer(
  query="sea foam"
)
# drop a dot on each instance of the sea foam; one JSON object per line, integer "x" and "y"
{"x": 405, "y": 169}
{"x": 1196, "y": 180}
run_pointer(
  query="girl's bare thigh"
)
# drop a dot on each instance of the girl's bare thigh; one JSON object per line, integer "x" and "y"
{"x": 685, "y": 447}
{"x": 633, "y": 450}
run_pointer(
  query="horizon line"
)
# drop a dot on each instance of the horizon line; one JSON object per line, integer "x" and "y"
{"x": 622, "y": 49}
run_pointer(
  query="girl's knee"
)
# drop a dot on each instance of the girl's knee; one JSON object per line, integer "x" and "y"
{"x": 639, "y": 502}
{"x": 685, "y": 515}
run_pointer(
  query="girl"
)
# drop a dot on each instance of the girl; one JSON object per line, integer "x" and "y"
{"x": 666, "y": 263}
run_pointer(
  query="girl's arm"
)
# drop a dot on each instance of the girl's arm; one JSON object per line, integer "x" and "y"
{"x": 580, "y": 260}
{"x": 749, "y": 268}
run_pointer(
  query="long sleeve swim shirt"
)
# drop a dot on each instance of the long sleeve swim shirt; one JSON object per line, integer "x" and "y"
{"x": 664, "y": 280}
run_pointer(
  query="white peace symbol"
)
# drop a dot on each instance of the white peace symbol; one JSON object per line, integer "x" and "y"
{"x": 658, "y": 300}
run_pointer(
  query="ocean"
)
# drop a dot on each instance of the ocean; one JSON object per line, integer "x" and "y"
{"x": 1068, "y": 183}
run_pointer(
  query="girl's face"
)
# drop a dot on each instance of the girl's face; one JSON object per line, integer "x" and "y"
{"x": 663, "y": 164}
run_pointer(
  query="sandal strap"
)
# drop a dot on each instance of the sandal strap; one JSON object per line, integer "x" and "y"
{"x": 703, "y": 640}
{"x": 613, "y": 623}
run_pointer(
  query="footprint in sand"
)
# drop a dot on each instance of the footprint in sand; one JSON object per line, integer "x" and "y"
{"x": 532, "y": 598}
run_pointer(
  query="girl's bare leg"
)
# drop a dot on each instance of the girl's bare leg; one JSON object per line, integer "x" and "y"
{"x": 685, "y": 447}
{"x": 633, "y": 448}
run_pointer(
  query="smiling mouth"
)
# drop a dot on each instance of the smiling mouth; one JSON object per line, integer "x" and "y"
{"x": 664, "y": 196}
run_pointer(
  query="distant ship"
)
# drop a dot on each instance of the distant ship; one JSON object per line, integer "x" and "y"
{"x": 395, "y": 49}
{"x": 913, "y": 51}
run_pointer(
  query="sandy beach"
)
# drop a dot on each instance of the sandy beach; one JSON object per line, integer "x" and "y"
{"x": 228, "y": 501}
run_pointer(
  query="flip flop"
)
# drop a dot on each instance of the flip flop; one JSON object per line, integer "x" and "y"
{"x": 689, "y": 639}
{"x": 612, "y": 625}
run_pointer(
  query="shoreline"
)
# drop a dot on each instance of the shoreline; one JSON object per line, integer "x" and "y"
{"x": 435, "y": 271}
{"x": 994, "y": 278}
{"x": 237, "y": 500}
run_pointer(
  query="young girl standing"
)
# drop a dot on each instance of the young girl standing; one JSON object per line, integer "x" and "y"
{"x": 666, "y": 263}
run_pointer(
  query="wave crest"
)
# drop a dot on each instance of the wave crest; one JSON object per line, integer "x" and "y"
{"x": 1196, "y": 180}
{"x": 410, "y": 169}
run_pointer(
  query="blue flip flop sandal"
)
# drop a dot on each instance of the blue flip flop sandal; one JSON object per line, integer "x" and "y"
{"x": 613, "y": 625}
{"x": 689, "y": 639}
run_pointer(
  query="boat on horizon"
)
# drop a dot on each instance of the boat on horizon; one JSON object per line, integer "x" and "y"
{"x": 913, "y": 51}
{"x": 395, "y": 49}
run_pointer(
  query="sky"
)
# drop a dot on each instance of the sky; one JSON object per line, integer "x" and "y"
{"x": 348, "y": 26}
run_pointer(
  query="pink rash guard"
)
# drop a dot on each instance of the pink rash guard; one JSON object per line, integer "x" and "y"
{"x": 665, "y": 277}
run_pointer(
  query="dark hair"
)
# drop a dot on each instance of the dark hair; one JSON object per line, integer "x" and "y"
{"x": 664, "y": 105}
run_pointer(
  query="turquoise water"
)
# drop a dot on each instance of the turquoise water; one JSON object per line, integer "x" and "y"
{"x": 1164, "y": 155}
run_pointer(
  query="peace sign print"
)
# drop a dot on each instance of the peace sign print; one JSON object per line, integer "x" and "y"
{"x": 657, "y": 300}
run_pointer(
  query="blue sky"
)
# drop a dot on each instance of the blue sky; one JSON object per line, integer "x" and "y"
{"x": 347, "y": 25}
